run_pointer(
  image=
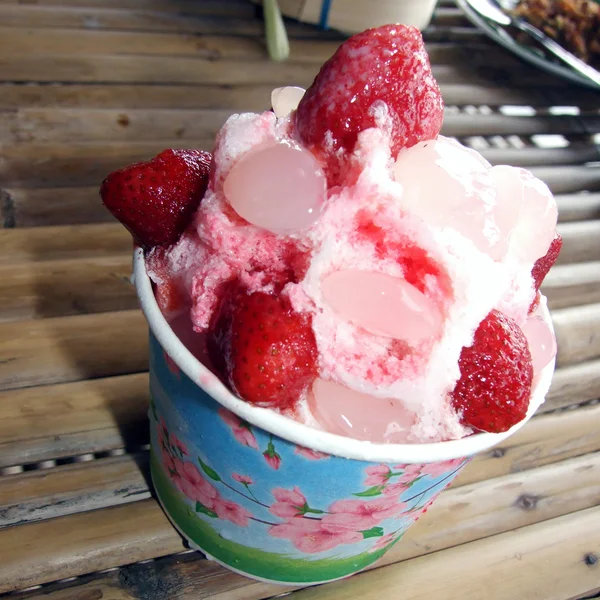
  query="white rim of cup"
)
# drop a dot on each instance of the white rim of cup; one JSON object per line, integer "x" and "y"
{"x": 304, "y": 435}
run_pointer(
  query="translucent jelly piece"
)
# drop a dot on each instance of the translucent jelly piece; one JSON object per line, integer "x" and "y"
{"x": 382, "y": 304}
{"x": 539, "y": 214}
{"x": 449, "y": 185}
{"x": 509, "y": 204}
{"x": 278, "y": 187}
{"x": 524, "y": 204}
{"x": 542, "y": 343}
{"x": 343, "y": 411}
{"x": 286, "y": 99}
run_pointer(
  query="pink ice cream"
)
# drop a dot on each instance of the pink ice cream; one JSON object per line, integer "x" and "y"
{"x": 396, "y": 268}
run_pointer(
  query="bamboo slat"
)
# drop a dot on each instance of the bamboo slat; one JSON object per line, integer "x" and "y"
{"x": 64, "y": 242}
{"x": 577, "y": 333}
{"x": 581, "y": 241}
{"x": 80, "y": 487}
{"x": 572, "y": 284}
{"x": 65, "y": 287}
{"x": 251, "y": 97}
{"x": 92, "y": 18}
{"x": 70, "y": 419}
{"x": 43, "y": 351}
{"x": 573, "y": 385}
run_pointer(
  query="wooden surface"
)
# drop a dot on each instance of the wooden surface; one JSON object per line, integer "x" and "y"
{"x": 87, "y": 86}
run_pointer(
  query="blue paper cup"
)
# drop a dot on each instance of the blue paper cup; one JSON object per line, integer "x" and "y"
{"x": 269, "y": 497}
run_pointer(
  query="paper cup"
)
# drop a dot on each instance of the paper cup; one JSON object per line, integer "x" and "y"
{"x": 269, "y": 497}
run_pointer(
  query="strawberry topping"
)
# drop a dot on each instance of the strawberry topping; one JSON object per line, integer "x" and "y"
{"x": 266, "y": 350}
{"x": 156, "y": 200}
{"x": 381, "y": 77}
{"x": 496, "y": 375}
{"x": 543, "y": 265}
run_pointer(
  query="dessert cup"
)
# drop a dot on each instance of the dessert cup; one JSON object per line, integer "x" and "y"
{"x": 274, "y": 499}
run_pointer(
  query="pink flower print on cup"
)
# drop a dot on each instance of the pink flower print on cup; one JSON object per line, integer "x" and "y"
{"x": 193, "y": 485}
{"x": 231, "y": 511}
{"x": 310, "y": 454}
{"x": 412, "y": 471}
{"x": 377, "y": 475}
{"x": 167, "y": 460}
{"x": 395, "y": 489}
{"x": 178, "y": 446}
{"x": 308, "y": 535}
{"x": 175, "y": 469}
{"x": 289, "y": 503}
{"x": 360, "y": 515}
{"x": 438, "y": 469}
{"x": 241, "y": 430}
{"x": 382, "y": 542}
{"x": 243, "y": 479}
{"x": 273, "y": 459}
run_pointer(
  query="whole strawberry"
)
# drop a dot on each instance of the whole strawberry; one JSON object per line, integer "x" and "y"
{"x": 266, "y": 350}
{"x": 156, "y": 200}
{"x": 379, "y": 70}
{"x": 496, "y": 374}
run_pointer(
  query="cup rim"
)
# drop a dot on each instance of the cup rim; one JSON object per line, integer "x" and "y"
{"x": 304, "y": 435}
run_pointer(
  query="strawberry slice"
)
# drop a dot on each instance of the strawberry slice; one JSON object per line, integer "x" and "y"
{"x": 496, "y": 375}
{"x": 156, "y": 200}
{"x": 543, "y": 265}
{"x": 266, "y": 350}
{"x": 386, "y": 65}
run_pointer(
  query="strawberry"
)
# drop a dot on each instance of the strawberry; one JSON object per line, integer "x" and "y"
{"x": 496, "y": 374}
{"x": 266, "y": 350}
{"x": 388, "y": 65}
{"x": 156, "y": 200}
{"x": 543, "y": 265}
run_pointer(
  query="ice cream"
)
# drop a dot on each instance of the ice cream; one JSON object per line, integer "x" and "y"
{"x": 347, "y": 265}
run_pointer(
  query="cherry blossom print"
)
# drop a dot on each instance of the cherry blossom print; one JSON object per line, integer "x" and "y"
{"x": 178, "y": 445}
{"x": 230, "y": 511}
{"x": 289, "y": 503}
{"x": 358, "y": 515}
{"x": 310, "y": 454}
{"x": 243, "y": 479}
{"x": 168, "y": 461}
{"x": 176, "y": 470}
{"x": 193, "y": 485}
{"x": 395, "y": 489}
{"x": 437, "y": 469}
{"x": 309, "y": 536}
{"x": 377, "y": 475}
{"x": 241, "y": 430}
{"x": 239, "y": 497}
{"x": 409, "y": 470}
{"x": 273, "y": 460}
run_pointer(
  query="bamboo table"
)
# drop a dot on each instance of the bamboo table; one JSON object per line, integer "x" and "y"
{"x": 87, "y": 86}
